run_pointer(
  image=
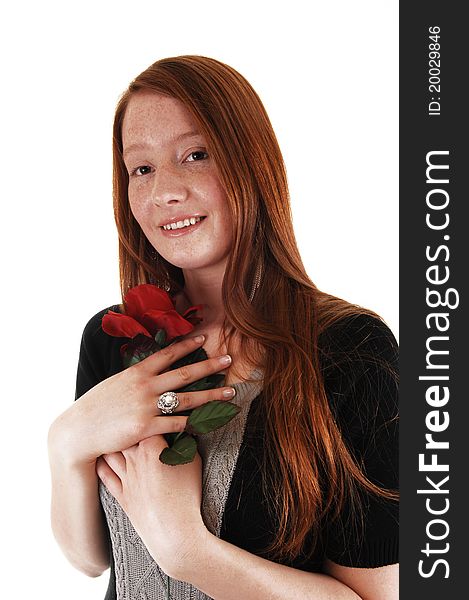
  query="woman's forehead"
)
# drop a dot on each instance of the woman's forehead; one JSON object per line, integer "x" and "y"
{"x": 152, "y": 117}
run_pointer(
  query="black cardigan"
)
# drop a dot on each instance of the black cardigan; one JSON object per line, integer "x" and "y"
{"x": 359, "y": 360}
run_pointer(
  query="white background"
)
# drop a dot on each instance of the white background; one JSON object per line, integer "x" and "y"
{"x": 327, "y": 74}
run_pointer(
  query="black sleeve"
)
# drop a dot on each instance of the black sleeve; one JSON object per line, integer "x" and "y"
{"x": 361, "y": 377}
{"x": 99, "y": 359}
{"x": 99, "y": 354}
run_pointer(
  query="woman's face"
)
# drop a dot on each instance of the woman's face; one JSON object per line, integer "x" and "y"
{"x": 171, "y": 179}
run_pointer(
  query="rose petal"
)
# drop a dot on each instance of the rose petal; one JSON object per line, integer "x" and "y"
{"x": 153, "y": 320}
{"x": 145, "y": 297}
{"x": 120, "y": 325}
{"x": 170, "y": 320}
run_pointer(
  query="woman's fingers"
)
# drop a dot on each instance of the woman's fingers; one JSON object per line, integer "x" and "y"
{"x": 164, "y": 358}
{"x": 187, "y": 401}
{"x": 157, "y": 363}
{"x": 190, "y": 400}
{"x": 128, "y": 401}
{"x": 116, "y": 461}
{"x": 174, "y": 379}
{"x": 108, "y": 477}
{"x": 153, "y": 444}
{"x": 161, "y": 425}
{"x": 183, "y": 376}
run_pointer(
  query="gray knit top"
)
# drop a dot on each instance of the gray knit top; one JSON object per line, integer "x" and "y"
{"x": 138, "y": 576}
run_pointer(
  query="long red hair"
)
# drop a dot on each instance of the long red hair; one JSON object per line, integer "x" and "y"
{"x": 287, "y": 313}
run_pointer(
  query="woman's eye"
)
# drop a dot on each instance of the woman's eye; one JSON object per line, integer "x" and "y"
{"x": 197, "y": 155}
{"x": 142, "y": 170}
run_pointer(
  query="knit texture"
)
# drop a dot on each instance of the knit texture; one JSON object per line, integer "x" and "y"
{"x": 138, "y": 576}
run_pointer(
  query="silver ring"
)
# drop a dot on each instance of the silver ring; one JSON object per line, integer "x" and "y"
{"x": 168, "y": 402}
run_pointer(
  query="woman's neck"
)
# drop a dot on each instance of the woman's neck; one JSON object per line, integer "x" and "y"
{"x": 211, "y": 327}
{"x": 205, "y": 291}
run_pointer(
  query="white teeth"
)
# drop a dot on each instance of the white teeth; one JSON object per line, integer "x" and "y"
{"x": 181, "y": 224}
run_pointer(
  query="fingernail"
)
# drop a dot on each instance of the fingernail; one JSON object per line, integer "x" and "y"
{"x": 199, "y": 338}
{"x": 225, "y": 360}
{"x": 229, "y": 393}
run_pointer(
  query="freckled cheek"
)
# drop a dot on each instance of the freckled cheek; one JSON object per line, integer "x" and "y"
{"x": 215, "y": 193}
{"x": 141, "y": 216}
{"x": 140, "y": 210}
{"x": 207, "y": 180}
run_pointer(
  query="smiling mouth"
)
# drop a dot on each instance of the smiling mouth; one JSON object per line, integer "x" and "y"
{"x": 182, "y": 224}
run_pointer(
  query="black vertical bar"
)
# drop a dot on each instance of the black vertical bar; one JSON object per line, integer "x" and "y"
{"x": 434, "y": 235}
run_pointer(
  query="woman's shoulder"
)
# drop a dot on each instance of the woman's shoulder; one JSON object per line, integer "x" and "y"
{"x": 99, "y": 353}
{"x": 359, "y": 360}
{"x": 93, "y": 325}
{"x": 94, "y": 338}
{"x": 356, "y": 341}
{"x": 354, "y": 330}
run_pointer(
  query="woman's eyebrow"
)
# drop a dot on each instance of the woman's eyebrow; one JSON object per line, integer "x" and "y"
{"x": 177, "y": 138}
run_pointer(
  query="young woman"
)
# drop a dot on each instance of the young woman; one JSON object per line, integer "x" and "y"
{"x": 295, "y": 497}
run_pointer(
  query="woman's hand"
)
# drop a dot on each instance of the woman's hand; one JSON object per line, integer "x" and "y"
{"x": 121, "y": 410}
{"x": 161, "y": 501}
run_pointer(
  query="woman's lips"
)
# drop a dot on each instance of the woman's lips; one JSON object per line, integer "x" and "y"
{"x": 183, "y": 230}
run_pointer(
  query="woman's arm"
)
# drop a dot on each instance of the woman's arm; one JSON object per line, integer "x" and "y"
{"x": 226, "y": 572}
{"x": 117, "y": 412}
{"x": 76, "y": 516}
{"x": 381, "y": 583}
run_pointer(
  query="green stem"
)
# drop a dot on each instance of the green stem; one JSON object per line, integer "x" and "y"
{"x": 168, "y": 595}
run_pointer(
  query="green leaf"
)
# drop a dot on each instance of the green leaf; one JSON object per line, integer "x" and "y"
{"x": 181, "y": 453}
{"x": 211, "y": 416}
{"x": 171, "y": 438}
{"x": 160, "y": 337}
{"x": 128, "y": 360}
{"x": 132, "y": 358}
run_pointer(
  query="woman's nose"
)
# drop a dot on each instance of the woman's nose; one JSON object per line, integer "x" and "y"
{"x": 168, "y": 186}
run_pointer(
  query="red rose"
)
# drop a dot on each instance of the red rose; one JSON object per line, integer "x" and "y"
{"x": 151, "y": 321}
{"x": 148, "y": 309}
